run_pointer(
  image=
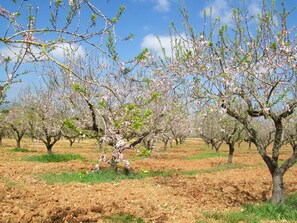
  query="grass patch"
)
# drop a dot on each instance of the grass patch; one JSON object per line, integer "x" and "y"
{"x": 10, "y": 183}
{"x": 260, "y": 212}
{"x": 205, "y": 156}
{"x": 55, "y": 158}
{"x": 221, "y": 167}
{"x": 125, "y": 218}
{"x": 102, "y": 176}
{"x": 16, "y": 150}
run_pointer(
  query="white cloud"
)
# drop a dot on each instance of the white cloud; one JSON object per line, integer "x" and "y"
{"x": 17, "y": 51}
{"x": 151, "y": 42}
{"x": 60, "y": 52}
{"x": 156, "y": 44}
{"x": 219, "y": 8}
{"x": 65, "y": 50}
{"x": 162, "y": 5}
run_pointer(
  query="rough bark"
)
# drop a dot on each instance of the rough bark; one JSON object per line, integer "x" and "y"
{"x": 278, "y": 189}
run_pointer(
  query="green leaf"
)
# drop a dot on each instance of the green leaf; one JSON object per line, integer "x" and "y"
{"x": 58, "y": 2}
{"x": 93, "y": 17}
{"x": 69, "y": 123}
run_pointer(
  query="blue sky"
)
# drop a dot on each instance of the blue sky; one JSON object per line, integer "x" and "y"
{"x": 147, "y": 19}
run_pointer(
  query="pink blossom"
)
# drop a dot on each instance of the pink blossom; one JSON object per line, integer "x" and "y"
{"x": 122, "y": 66}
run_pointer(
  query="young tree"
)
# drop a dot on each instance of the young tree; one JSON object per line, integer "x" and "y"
{"x": 46, "y": 114}
{"x": 250, "y": 71}
{"x": 232, "y": 133}
{"x": 209, "y": 129}
{"x": 16, "y": 122}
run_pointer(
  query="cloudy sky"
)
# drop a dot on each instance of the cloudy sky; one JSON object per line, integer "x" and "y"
{"x": 147, "y": 19}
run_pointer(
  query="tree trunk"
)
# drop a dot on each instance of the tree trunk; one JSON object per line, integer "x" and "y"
{"x": 49, "y": 149}
{"x": 113, "y": 164}
{"x": 165, "y": 144}
{"x": 217, "y": 149}
{"x": 1, "y": 140}
{"x": 18, "y": 143}
{"x": 71, "y": 141}
{"x": 231, "y": 151}
{"x": 176, "y": 142}
{"x": 278, "y": 189}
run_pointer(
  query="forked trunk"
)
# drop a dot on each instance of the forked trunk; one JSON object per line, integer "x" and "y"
{"x": 71, "y": 141}
{"x": 49, "y": 149}
{"x": 278, "y": 189}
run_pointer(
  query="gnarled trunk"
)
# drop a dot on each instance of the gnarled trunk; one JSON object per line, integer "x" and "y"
{"x": 278, "y": 189}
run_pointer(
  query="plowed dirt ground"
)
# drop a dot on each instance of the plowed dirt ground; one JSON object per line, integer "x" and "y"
{"x": 25, "y": 197}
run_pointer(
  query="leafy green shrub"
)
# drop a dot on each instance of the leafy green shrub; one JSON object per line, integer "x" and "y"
{"x": 145, "y": 152}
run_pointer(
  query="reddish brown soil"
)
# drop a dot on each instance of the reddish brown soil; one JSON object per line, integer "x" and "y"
{"x": 24, "y": 197}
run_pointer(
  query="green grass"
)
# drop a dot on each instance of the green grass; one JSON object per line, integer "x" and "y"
{"x": 259, "y": 212}
{"x": 218, "y": 168}
{"x": 9, "y": 183}
{"x": 109, "y": 175}
{"x": 15, "y": 150}
{"x": 205, "y": 156}
{"x": 125, "y": 218}
{"x": 55, "y": 158}
{"x": 105, "y": 175}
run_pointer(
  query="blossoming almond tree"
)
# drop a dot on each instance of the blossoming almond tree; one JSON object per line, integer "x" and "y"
{"x": 16, "y": 122}
{"x": 110, "y": 96}
{"x": 45, "y": 114}
{"x": 250, "y": 71}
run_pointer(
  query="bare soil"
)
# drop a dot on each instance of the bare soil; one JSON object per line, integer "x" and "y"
{"x": 25, "y": 197}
